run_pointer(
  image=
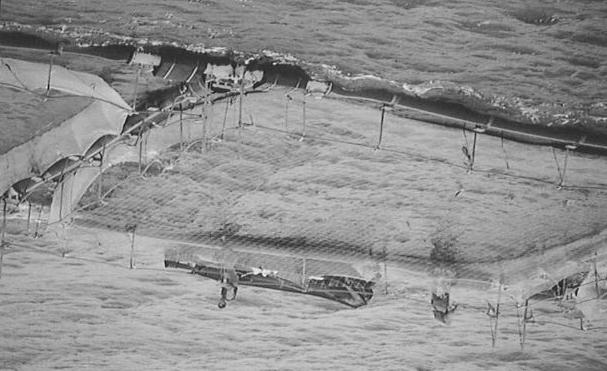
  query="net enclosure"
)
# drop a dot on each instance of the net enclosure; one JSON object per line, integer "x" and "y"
{"x": 299, "y": 187}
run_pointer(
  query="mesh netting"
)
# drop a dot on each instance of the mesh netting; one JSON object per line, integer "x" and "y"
{"x": 305, "y": 187}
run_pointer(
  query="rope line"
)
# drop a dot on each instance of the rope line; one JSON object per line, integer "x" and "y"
{"x": 438, "y": 160}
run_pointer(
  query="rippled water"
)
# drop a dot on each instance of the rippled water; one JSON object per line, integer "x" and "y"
{"x": 89, "y": 311}
{"x": 537, "y": 61}
{"x": 537, "y": 58}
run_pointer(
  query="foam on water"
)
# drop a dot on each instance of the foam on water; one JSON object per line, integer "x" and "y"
{"x": 527, "y": 62}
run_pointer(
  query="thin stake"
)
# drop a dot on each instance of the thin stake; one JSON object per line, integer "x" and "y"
{"x": 100, "y": 184}
{"x": 136, "y": 87}
{"x": 494, "y": 325}
{"x": 303, "y": 132}
{"x": 381, "y": 126}
{"x": 205, "y": 116}
{"x": 473, "y": 151}
{"x": 29, "y": 216}
{"x": 505, "y": 154}
{"x": 140, "y": 150}
{"x": 525, "y": 318}
{"x": 38, "y": 221}
{"x": 61, "y": 179}
{"x": 61, "y": 201}
{"x": 225, "y": 117}
{"x": 596, "y": 276}
{"x": 303, "y": 272}
{"x": 519, "y": 323}
{"x": 240, "y": 127}
{"x": 558, "y": 166}
{"x": 522, "y": 324}
{"x": 50, "y": 70}
{"x": 465, "y": 137}
{"x": 180, "y": 127}
{"x": 3, "y": 222}
{"x": 564, "y": 167}
{"x": 240, "y": 102}
{"x": 563, "y": 289}
{"x": 287, "y": 113}
{"x": 582, "y": 324}
{"x": 132, "y": 229}
{"x": 145, "y": 145}
{"x": 385, "y": 255}
{"x": 2, "y": 240}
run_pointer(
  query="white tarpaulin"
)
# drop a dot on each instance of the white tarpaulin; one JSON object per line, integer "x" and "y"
{"x": 68, "y": 193}
{"x": 104, "y": 114}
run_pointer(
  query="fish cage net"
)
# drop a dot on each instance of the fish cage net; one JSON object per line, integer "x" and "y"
{"x": 318, "y": 187}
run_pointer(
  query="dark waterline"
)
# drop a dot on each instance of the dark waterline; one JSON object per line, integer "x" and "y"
{"x": 298, "y": 74}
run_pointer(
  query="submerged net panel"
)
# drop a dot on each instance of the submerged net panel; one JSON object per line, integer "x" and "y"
{"x": 330, "y": 192}
{"x": 290, "y": 267}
